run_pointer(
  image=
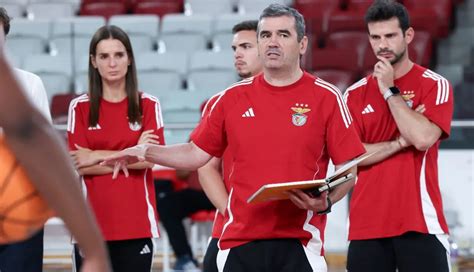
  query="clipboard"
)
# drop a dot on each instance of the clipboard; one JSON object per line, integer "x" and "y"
{"x": 278, "y": 191}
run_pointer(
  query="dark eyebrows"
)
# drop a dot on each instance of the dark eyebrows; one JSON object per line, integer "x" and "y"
{"x": 284, "y": 31}
{"x": 279, "y": 31}
{"x": 263, "y": 32}
{"x": 119, "y": 53}
{"x": 391, "y": 34}
{"x": 244, "y": 44}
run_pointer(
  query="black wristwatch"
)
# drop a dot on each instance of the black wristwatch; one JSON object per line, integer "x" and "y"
{"x": 391, "y": 92}
{"x": 328, "y": 209}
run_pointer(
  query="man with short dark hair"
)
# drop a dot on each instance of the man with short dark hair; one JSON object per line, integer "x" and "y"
{"x": 281, "y": 125}
{"x": 402, "y": 111}
{"x": 247, "y": 63}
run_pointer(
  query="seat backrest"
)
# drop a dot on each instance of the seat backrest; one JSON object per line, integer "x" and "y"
{"x": 146, "y": 25}
{"x": 255, "y": 6}
{"x": 182, "y": 42}
{"x": 348, "y": 39}
{"x": 51, "y": 10}
{"x": 211, "y": 82}
{"x": 183, "y": 100}
{"x": 453, "y": 73}
{"x": 179, "y": 23}
{"x": 168, "y": 61}
{"x": 335, "y": 58}
{"x": 158, "y": 83}
{"x": 213, "y": 7}
{"x": 14, "y": 10}
{"x": 26, "y": 28}
{"x": 105, "y": 9}
{"x": 76, "y": 26}
{"x": 208, "y": 60}
{"x": 48, "y": 64}
{"x": 25, "y": 46}
{"x": 157, "y": 8}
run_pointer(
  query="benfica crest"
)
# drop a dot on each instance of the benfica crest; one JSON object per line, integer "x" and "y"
{"x": 299, "y": 118}
{"x": 135, "y": 126}
{"x": 408, "y": 97}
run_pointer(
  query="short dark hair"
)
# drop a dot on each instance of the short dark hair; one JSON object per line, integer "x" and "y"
{"x": 250, "y": 25}
{"x": 278, "y": 10}
{"x": 5, "y": 20}
{"x": 382, "y": 10}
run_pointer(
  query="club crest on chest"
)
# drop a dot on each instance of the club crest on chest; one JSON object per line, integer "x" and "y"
{"x": 299, "y": 117}
{"x": 408, "y": 97}
{"x": 134, "y": 126}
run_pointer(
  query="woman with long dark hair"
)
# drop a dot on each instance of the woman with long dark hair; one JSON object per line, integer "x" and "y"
{"x": 114, "y": 115}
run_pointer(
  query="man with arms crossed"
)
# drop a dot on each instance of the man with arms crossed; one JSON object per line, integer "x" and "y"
{"x": 281, "y": 125}
{"x": 396, "y": 214}
{"x": 30, "y": 136}
{"x": 247, "y": 64}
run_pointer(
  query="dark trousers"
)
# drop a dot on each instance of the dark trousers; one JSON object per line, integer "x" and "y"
{"x": 410, "y": 252}
{"x": 276, "y": 255}
{"x": 173, "y": 207}
{"x": 125, "y": 255}
{"x": 25, "y": 256}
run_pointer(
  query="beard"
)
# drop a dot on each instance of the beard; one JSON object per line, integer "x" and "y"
{"x": 398, "y": 56}
{"x": 244, "y": 75}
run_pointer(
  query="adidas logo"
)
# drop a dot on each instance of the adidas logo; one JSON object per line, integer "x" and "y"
{"x": 368, "y": 109}
{"x": 145, "y": 250}
{"x": 93, "y": 128}
{"x": 248, "y": 113}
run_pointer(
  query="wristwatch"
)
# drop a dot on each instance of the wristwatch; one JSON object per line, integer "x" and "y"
{"x": 328, "y": 209}
{"x": 391, "y": 92}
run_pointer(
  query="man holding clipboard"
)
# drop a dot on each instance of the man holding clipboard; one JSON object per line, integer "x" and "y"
{"x": 281, "y": 125}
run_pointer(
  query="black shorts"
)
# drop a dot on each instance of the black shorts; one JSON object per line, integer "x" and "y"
{"x": 24, "y": 256}
{"x": 125, "y": 255}
{"x": 410, "y": 252}
{"x": 283, "y": 255}
{"x": 210, "y": 258}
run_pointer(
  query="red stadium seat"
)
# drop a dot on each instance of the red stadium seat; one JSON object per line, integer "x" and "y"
{"x": 423, "y": 19}
{"x": 60, "y": 107}
{"x": 350, "y": 40}
{"x": 422, "y": 47}
{"x": 335, "y": 58}
{"x": 157, "y": 8}
{"x": 316, "y": 13}
{"x": 341, "y": 78}
{"x": 361, "y": 5}
{"x": 105, "y": 9}
{"x": 150, "y": 3}
{"x": 351, "y": 20}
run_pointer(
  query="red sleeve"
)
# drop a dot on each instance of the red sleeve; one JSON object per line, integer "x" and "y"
{"x": 209, "y": 135}
{"x": 152, "y": 118}
{"x": 354, "y": 110}
{"x": 438, "y": 101}
{"x": 77, "y": 124}
{"x": 205, "y": 109}
{"x": 343, "y": 143}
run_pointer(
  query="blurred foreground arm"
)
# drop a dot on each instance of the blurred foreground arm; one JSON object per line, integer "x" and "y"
{"x": 31, "y": 137}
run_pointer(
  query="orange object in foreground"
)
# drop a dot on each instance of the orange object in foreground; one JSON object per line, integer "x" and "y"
{"x": 22, "y": 210}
